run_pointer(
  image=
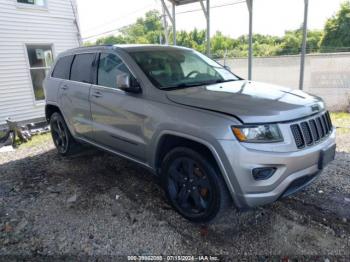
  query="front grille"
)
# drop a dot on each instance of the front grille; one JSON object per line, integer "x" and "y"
{"x": 314, "y": 132}
{"x": 298, "y": 136}
{"x": 307, "y": 133}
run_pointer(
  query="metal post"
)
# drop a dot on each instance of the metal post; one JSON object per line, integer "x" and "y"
{"x": 174, "y": 25}
{"x": 208, "y": 27}
{"x": 206, "y": 11}
{"x": 250, "y": 54}
{"x": 165, "y": 23}
{"x": 303, "y": 46}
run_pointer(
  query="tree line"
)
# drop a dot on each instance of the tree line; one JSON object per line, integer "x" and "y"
{"x": 335, "y": 37}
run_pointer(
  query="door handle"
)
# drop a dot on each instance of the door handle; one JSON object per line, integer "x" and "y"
{"x": 65, "y": 87}
{"x": 97, "y": 94}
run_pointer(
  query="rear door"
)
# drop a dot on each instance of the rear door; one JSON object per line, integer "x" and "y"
{"x": 74, "y": 94}
{"x": 59, "y": 76}
{"x": 118, "y": 116}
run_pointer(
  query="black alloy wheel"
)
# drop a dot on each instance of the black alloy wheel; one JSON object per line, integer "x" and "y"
{"x": 61, "y": 136}
{"x": 193, "y": 185}
{"x": 189, "y": 187}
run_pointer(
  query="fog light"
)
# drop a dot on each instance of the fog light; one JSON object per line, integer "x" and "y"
{"x": 262, "y": 173}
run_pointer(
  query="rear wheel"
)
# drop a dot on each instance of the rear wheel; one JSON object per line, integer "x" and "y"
{"x": 62, "y": 138}
{"x": 194, "y": 185}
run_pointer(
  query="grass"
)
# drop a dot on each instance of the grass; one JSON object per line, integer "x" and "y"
{"x": 36, "y": 140}
{"x": 341, "y": 119}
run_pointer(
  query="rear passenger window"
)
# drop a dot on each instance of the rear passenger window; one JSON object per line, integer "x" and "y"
{"x": 82, "y": 68}
{"x": 62, "y": 67}
{"x": 109, "y": 67}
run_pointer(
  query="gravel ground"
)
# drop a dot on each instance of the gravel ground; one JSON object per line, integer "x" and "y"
{"x": 97, "y": 204}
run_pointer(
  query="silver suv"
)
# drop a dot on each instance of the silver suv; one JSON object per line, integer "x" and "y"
{"x": 211, "y": 136}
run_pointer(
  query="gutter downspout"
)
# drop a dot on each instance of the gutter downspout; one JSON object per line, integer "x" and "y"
{"x": 80, "y": 41}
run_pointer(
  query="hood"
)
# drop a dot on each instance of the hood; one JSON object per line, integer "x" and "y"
{"x": 251, "y": 102}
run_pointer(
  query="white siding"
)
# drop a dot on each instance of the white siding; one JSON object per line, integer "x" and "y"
{"x": 19, "y": 26}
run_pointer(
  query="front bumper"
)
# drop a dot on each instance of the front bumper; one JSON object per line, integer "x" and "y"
{"x": 294, "y": 171}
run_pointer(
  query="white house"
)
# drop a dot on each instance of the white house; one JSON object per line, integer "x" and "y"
{"x": 32, "y": 33}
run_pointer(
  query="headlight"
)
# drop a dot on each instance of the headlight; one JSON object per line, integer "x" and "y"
{"x": 258, "y": 133}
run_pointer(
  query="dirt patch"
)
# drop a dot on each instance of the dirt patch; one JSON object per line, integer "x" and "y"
{"x": 98, "y": 204}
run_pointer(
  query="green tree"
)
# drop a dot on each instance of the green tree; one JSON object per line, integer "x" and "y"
{"x": 149, "y": 30}
{"x": 194, "y": 39}
{"x": 111, "y": 40}
{"x": 337, "y": 29}
{"x": 313, "y": 40}
{"x": 146, "y": 30}
{"x": 290, "y": 43}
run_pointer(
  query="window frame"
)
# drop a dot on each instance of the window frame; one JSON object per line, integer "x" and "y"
{"x": 30, "y": 6}
{"x": 25, "y": 46}
{"x": 201, "y": 56}
{"x": 98, "y": 65}
{"x": 92, "y": 73}
{"x": 55, "y": 65}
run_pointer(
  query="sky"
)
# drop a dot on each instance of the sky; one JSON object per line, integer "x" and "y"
{"x": 271, "y": 17}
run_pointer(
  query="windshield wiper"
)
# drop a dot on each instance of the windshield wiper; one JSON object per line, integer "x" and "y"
{"x": 224, "y": 81}
{"x": 184, "y": 85}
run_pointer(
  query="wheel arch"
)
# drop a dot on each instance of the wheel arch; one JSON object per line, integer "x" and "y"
{"x": 50, "y": 109}
{"x": 168, "y": 140}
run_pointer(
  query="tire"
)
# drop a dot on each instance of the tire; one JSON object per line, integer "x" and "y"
{"x": 61, "y": 136}
{"x": 198, "y": 193}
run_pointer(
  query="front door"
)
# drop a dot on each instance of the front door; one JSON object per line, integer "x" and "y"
{"x": 74, "y": 95}
{"x": 118, "y": 117}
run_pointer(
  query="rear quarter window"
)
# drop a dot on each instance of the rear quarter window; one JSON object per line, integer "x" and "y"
{"x": 62, "y": 67}
{"x": 82, "y": 68}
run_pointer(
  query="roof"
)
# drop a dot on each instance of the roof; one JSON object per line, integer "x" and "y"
{"x": 148, "y": 47}
{"x": 183, "y": 2}
{"x": 126, "y": 47}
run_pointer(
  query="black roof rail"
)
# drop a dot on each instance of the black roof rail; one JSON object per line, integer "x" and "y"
{"x": 87, "y": 47}
{"x": 106, "y": 45}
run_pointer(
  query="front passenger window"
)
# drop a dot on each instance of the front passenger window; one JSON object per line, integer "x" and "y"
{"x": 109, "y": 67}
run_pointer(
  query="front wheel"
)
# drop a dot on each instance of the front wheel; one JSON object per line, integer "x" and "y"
{"x": 194, "y": 185}
{"x": 62, "y": 138}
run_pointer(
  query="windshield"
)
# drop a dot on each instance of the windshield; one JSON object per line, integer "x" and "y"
{"x": 179, "y": 68}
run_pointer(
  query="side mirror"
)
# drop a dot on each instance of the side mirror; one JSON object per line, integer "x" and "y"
{"x": 124, "y": 82}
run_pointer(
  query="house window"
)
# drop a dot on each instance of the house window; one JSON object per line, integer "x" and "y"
{"x": 40, "y": 59}
{"x": 41, "y": 3}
